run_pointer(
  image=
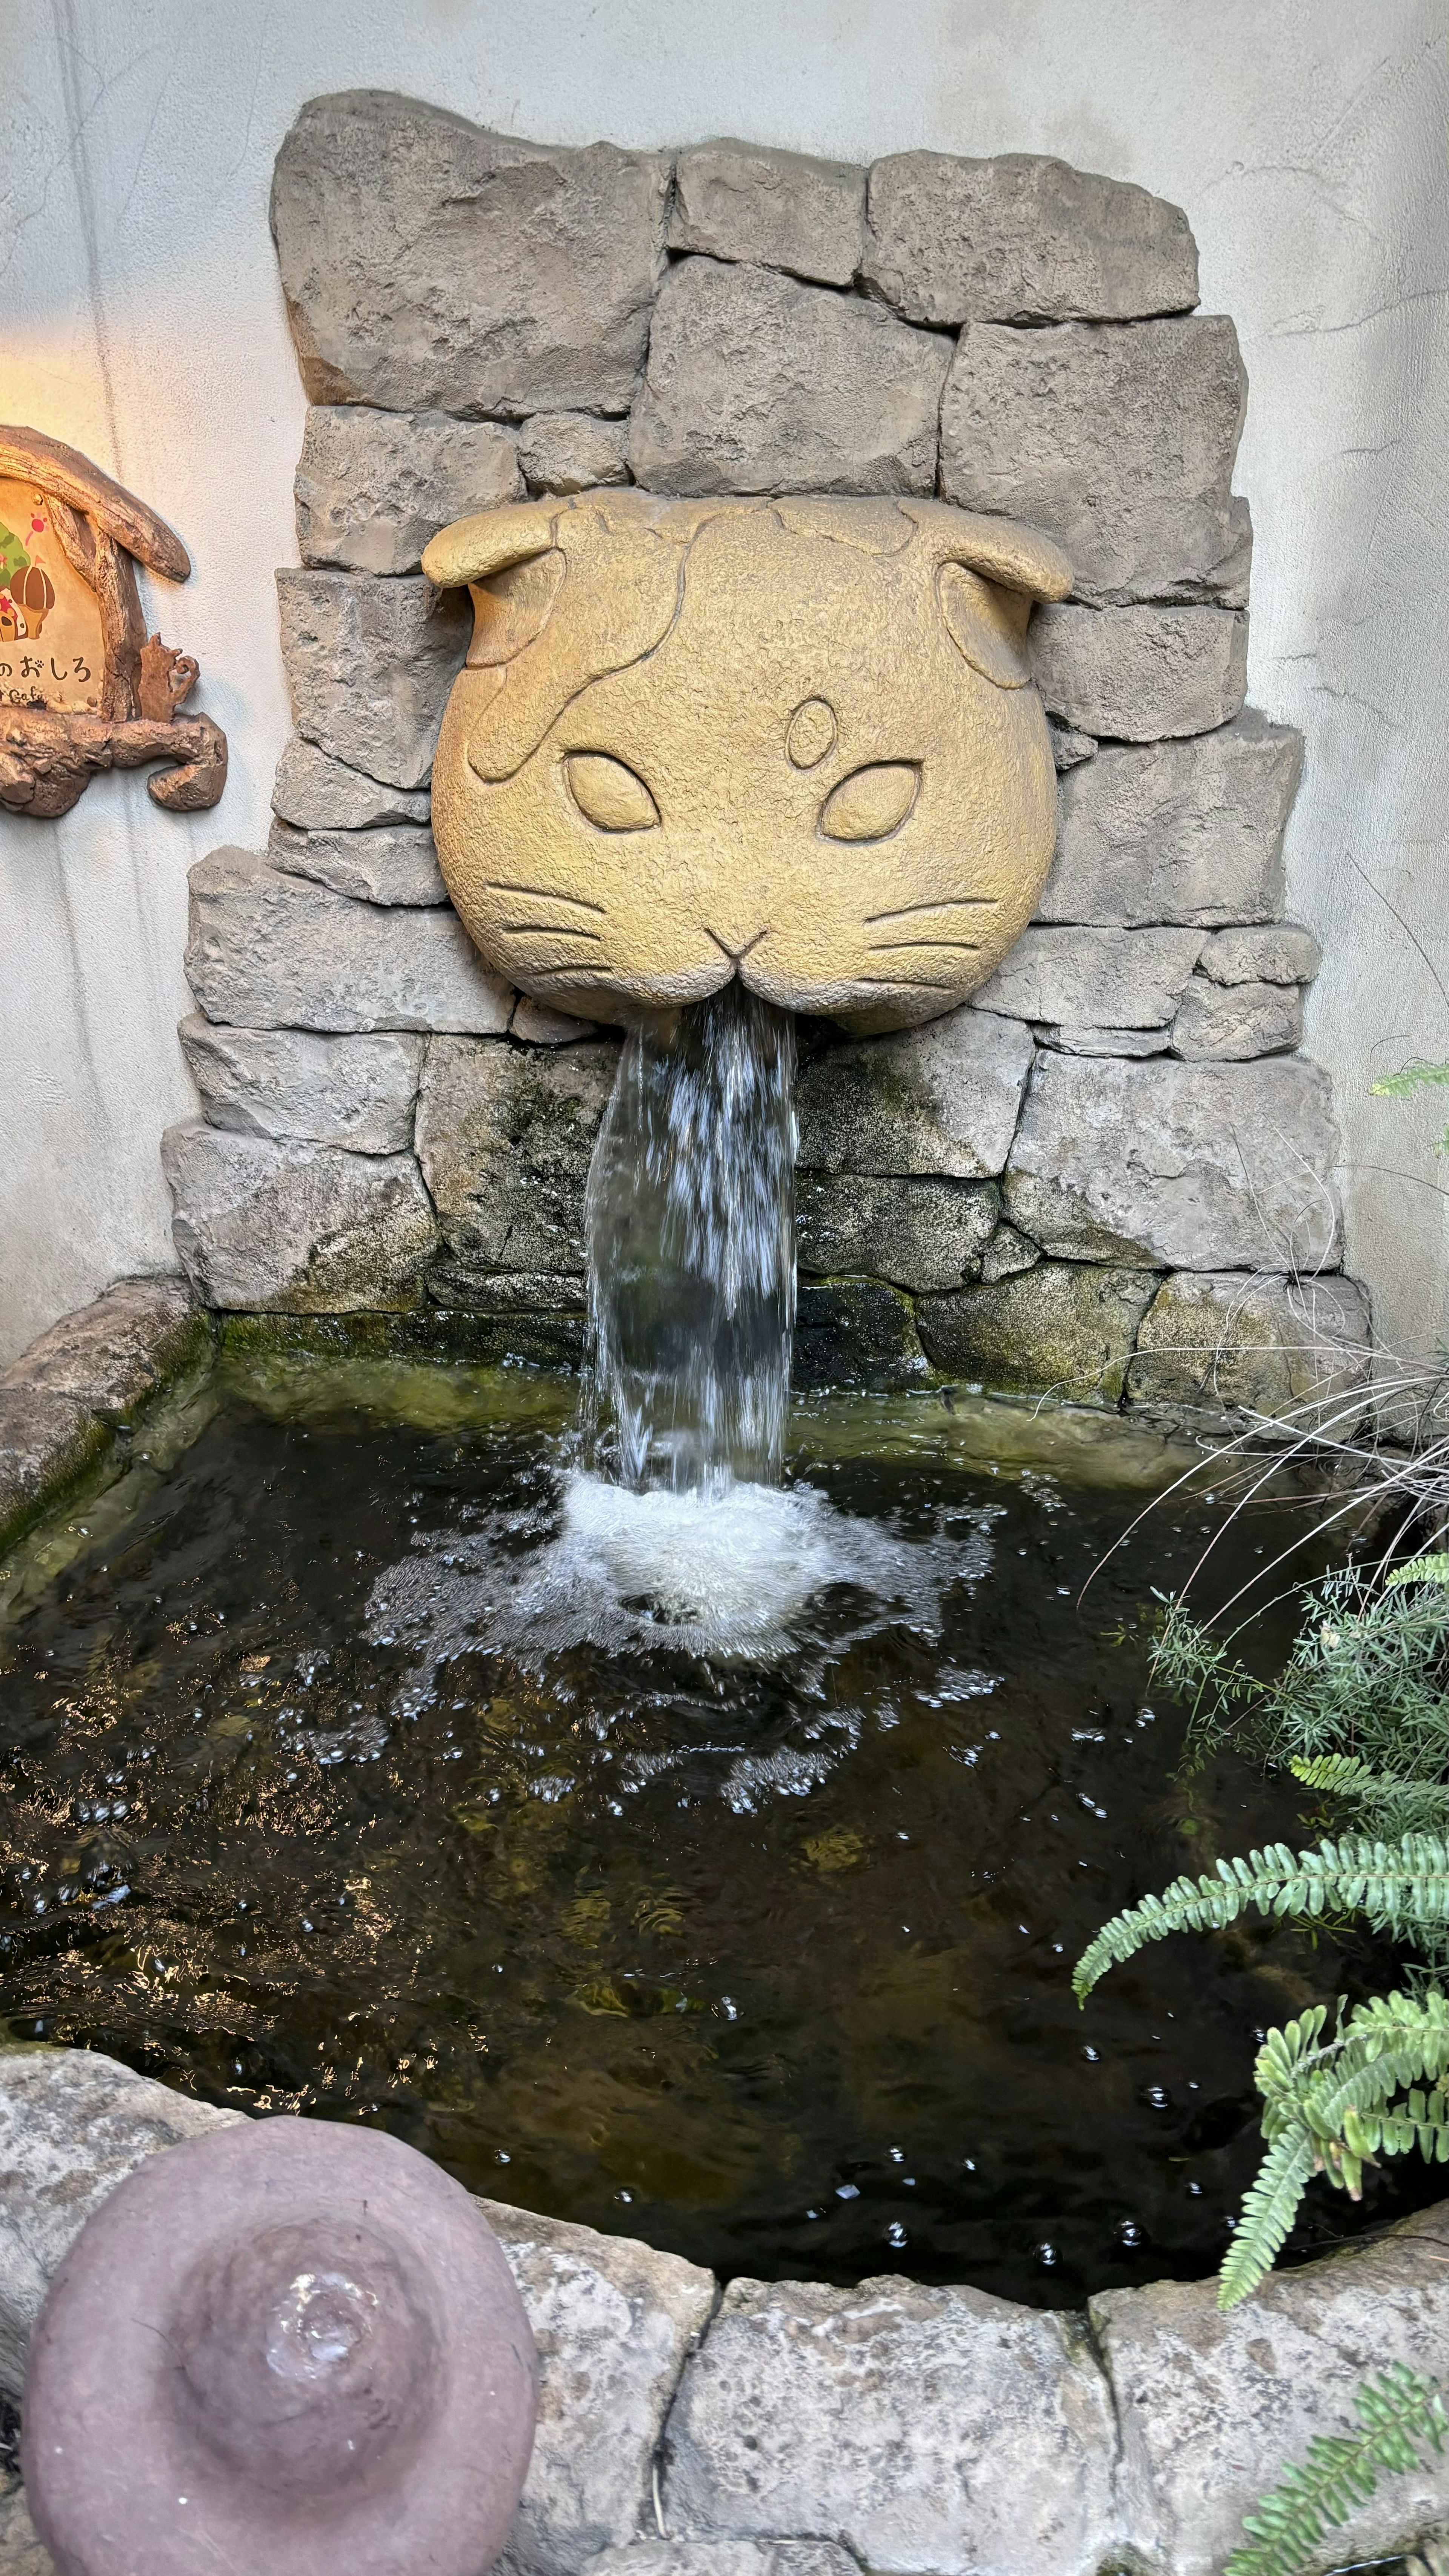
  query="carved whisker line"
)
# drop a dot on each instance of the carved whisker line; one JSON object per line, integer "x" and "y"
{"x": 551, "y": 930}
{"x": 904, "y": 983}
{"x": 880, "y": 946}
{"x": 571, "y": 974}
{"x": 544, "y": 894}
{"x": 945, "y": 903}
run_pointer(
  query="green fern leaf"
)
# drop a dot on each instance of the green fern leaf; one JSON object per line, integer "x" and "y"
{"x": 1269, "y": 2209}
{"x": 1420, "y": 1569}
{"x": 1409, "y": 1078}
{"x": 1398, "y": 2412}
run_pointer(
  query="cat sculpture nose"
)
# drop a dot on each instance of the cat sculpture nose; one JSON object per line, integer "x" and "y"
{"x": 736, "y": 950}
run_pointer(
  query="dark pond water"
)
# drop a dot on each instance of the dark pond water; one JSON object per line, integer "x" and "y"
{"x": 360, "y": 1771}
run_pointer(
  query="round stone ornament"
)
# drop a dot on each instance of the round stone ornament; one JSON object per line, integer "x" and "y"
{"x": 290, "y": 2347}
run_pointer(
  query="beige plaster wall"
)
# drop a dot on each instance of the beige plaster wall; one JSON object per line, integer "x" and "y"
{"x": 143, "y": 322}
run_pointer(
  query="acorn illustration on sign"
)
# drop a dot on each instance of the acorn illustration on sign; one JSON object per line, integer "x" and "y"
{"x": 34, "y": 591}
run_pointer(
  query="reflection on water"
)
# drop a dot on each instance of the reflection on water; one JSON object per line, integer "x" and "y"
{"x": 708, "y": 1870}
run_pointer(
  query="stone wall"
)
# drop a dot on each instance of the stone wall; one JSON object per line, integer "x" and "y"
{"x": 1112, "y": 1173}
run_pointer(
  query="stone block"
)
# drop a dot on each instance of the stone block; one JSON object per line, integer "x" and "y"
{"x": 1073, "y": 1039}
{"x": 113, "y": 1355}
{"x": 1294, "y": 1349}
{"x": 746, "y": 201}
{"x": 1212, "y": 2408}
{"x": 287, "y": 1084}
{"x": 1118, "y": 440}
{"x": 701, "y": 2558}
{"x": 1102, "y": 979}
{"x": 22, "y": 2553}
{"x": 940, "y": 1099}
{"x": 758, "y": 384}
{"x": 394, "y": 863}
{"x": 485, "y": 274}
{"x": 72, "y": 2125}
{"x": 296, "y": 1228}
{"x": 1192, "y": 1166}
{"x": 919, "y": 2428}
{"x": 536, "y": 1025}
{"x": 612, "y": 2320}
{"x": 856, "y": 1332}
{"x": 1139, "y": 673}
{"x": 1069, "y": 749}
{"x": 1280, "y": 952}
{"x": 571, "y": 451}
{"x": 270, "y": 951}
{"x": 1022, "y": 238}
{"x": 1228, "y": 1023}
{"x": 918, "y": 1233}
{"x": 504, "y": 1138}
{"x": 318, "y": 794}
{"x": 1063, "y": 1328}
{"x": 370, "y": 665}
{"x": 1188, "y": 831}
{"x": 373, "y": 487}
{"x": 46, "y": 1439}
{"x": 1007, "y": 1255}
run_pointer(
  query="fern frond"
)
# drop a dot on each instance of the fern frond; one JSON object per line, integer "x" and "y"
{"x": 1269, "y": 2209}
{"x": 1341, "y": 1771}
{"x": 1420, "y": 1569}
{"x": 1398, "y": 2412}
{"x": 1409, "y": 1078}
{"x": 1401, "y": 1886}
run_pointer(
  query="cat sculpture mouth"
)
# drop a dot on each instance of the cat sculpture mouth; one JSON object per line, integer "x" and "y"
{"x": 790, "y": 740}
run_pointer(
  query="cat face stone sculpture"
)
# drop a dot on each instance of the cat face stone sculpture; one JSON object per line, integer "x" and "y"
{"x": 793, "y": 740}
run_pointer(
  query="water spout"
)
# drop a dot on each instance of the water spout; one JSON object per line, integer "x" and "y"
{"x": 691, "y": 1229}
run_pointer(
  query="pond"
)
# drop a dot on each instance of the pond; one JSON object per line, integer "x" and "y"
{"x": 712, "y": 1880}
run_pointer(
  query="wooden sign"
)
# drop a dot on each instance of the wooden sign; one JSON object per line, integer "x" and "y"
{"x": 82, "y": 687}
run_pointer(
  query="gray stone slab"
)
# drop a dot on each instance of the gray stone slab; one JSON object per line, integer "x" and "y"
{"x": 46, "y": 1439}
{"x": 113, "y": 1355}
{"x": 1063, "y": 1328}
{"x": 486, "y": 275}
{"x": 1137, "y": 674}
{"x": 358, "y": 1092}
{"x": 293, "y": 1228}
{"x": 940, "y": 1099}
{"x": 1230, "y": 1340}
{"x": 373, "y": 487}
{"x": 745, "y": 201}
{"x": 1281, "y": 952}
{"x": 613, "y": 2321}
{"x": 856, "y": 1333}
{"x": 758, "y": 384}
{"x": 920, "y": 1234}
{"x": 572, "y": 451}
{"x": 395, "y": 863}
{"x": 370, "y": 664}
{"x": 922, "y": 2429}
{"x": 1188, "y": 831}
{"x": 536, "y": 1025}
{"x": 72, "y": 2125}
{"x": 316, "y": 793}
{"x": 1121, "y": 979}
{"x": 1229, "y": 1023}
{"x": 1212, "y": 2408}
{"x": 21, "y": 2551}
{"x": 504, "y": 1138}
{"x": 1079, "y": 1040}
{"x": 268, "y": 951}
{"x": 1119, "y": 440}
{"x": 1007, "y": 1255}
{"x": 1069, "y": 749}
{"x": 1022, "y": 239}
{"x": 706, "y": 2558}
{"x": 1193, "y": 1166}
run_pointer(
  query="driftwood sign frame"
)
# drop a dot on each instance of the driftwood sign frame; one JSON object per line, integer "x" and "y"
{"x": 49, "y": 754}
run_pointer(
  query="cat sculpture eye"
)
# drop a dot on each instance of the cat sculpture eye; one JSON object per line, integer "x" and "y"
{"x": 610, "y": 794}
{"x": 872, "y": 802}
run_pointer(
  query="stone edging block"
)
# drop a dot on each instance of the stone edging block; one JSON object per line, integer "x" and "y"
{"x": 63, "y": 1399}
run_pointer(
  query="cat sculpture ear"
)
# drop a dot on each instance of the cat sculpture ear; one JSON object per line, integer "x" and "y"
{"x": 989, "y": 573}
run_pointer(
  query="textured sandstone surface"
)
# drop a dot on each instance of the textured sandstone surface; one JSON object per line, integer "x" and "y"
{"x": 315, "y": 793}
{"x": 1234, "y": 1341}
{"x": 369, "y": 665}
{"x": 504, "y": 1138}
{"x": 373, "y": 486}
{"x": 756, "y": 383}
{"x": 1065, "y": 1327}
{"x": 1122, "y": 979}
{"x": 1280, "y": 952}
{"x": 941, "y": 1099}
{"x": 296, "y": 1228}
{"x": 1138, "y": 674}
{"x": 1228, "y": 1023}
{"x": 922, "y": 1234}
{"x": 1022, "y": 239}
{"x": 572, "y": 451}
{"x": 1118, "y": 440}
{"x": 286, "y": 1083}
{"x": 1195, "y": 1166}
{"x": 268, "y": 950}
{"x": 487, "y": 275}
{"x": 923, "y": 2429}
{"x": 62, "y": 1400}
{"x": 1186, "y": 831}
{"x": 746, "y": 201}
{"x": 394, "y": 863}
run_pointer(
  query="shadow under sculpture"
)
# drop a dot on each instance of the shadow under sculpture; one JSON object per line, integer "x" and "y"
{"x": 793, "y": 740}
{"x": 291, "y": 2346}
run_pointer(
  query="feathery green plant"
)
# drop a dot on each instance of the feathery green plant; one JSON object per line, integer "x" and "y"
{"x": 1411, "y": 1078}
{"x": 1398, "y": 2411}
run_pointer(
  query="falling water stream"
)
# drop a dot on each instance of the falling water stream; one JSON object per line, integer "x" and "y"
{"x": 691, "y": 1236}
